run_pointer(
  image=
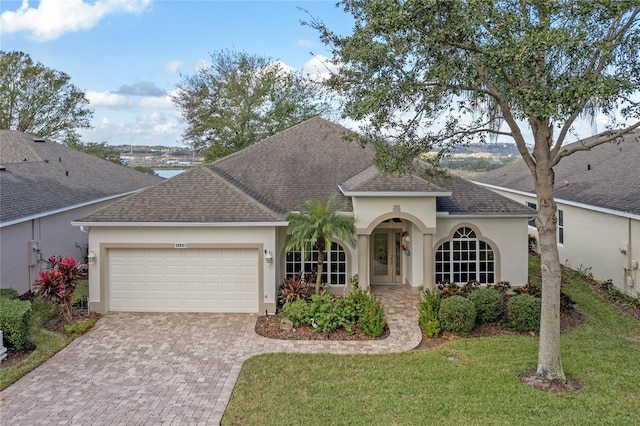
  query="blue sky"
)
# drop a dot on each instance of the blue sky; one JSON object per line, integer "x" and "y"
{"x": 126, "y": 55}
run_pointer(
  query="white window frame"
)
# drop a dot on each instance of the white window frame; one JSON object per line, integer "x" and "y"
{"x": 466, "y": 257}
{"x": 335, "y": 264}
{"x": 560, "y": 227}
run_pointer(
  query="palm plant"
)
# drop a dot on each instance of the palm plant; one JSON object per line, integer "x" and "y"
{"x": 314, "y": 224}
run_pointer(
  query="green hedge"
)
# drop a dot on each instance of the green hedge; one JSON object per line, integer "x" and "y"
{"x": 8, "y": 293}
{"x": 488, "y": 305}
{"x": 15, "y": 320}
{"x": 457, "y": 315}
{"x": 524, "y": 312}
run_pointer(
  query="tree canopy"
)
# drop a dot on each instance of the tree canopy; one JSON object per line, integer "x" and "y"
{"x": 39, "y": 100}
{"x": 425, "y": 73}
{"x": 241, "y": 99}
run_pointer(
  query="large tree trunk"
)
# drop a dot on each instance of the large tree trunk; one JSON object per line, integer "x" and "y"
{"x": 549, "y": 362}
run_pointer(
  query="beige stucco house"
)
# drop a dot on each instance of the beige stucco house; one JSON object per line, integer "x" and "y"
{"x": 598, "y": 198}
{"x": 212, "y": 239}
{"x": 43, "y": 187}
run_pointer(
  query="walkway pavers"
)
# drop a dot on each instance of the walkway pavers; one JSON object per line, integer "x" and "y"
{"x": 171, "y": 368}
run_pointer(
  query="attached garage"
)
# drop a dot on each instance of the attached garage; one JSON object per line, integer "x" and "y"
{"x": 183, "y": 280}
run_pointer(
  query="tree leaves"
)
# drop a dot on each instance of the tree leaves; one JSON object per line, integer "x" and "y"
{"x": 241, "y": 99}
{"x": 39, "y": 100}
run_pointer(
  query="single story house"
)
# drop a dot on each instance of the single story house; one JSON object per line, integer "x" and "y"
{"x": 598, "y": 197}
{"x": 43, "y": 187}
{"x": 212, "y": 239}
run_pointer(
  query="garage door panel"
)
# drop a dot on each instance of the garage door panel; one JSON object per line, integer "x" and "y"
{"x": 183, "y": 280}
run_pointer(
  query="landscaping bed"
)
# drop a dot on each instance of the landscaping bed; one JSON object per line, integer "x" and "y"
{"x": 269, "y": 326}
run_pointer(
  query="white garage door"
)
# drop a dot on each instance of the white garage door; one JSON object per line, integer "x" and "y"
{"x": 183, "y": 280}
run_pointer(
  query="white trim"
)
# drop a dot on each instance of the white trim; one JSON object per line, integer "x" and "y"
{"x": 178, "y": 224}
{"x": 480, "y": 216}
{"x": 65, "y": 209}
{"x": 397, "y": 194}
{"x": 566, "y": 202}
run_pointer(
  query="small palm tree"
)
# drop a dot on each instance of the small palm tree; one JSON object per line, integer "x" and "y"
{"x": 313, "y": 225}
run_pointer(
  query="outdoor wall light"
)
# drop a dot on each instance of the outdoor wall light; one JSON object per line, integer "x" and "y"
{"x": 91, "y": 257}
{"x": 268, "y": 257}
{"x": 622, "y": 250}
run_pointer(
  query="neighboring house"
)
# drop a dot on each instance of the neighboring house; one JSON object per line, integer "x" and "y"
{"x": 212, "y": 239}
{"x": 598, "y": 198}
{"x": 43, "y": 187}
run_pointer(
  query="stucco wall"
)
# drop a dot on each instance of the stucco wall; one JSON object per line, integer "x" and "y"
{"x": 56, "y": 237}
{"x": 368, "y": 209}
{"x": 101, "y": 238}
{"x": 593, "y": 241}
{"x": 507, "y": 236}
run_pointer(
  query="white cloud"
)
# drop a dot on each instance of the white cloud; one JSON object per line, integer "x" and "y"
{"x": 155, "y": 102}
{"x": 107, "y": 99}
{"x": 52, "y": 18}
{"x": 305, "y": 43}
{"x": 319, "y": 68}
{"x": 173, "y": 67}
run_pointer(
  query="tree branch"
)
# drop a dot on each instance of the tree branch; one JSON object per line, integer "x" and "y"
{"x": 586, "y": 146}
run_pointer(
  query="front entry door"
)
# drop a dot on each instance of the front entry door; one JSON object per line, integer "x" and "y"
{"x": 386, "y": 259}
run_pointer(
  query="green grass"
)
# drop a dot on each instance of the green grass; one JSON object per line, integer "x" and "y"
{"x": 47, "y": 342}
{"x": 480, "y": 388}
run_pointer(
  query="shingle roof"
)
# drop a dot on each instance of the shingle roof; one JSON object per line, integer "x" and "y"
{"x": 373, "y": 180}
{"x": 264, "y": 182}
{"x": 468, "y": 198}
{"x": 178, "y": 200}
{"x": 607, "y": 176}
{"x": 39, "y": 177}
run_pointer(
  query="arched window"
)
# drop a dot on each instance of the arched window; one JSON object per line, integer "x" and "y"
{"x": 465, "y": 258}
{"x": 334, "y": 269}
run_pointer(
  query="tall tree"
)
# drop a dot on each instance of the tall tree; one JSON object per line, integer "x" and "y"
{"x": 493, "y": 68}
{"x": 241, "y": 99}
{"x": 314, "y": 225}
{"x": 39, "y": 100}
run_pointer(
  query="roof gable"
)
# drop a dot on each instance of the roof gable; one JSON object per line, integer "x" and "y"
{"x": 179, "y": 199}
{"x": 265, "y": 181}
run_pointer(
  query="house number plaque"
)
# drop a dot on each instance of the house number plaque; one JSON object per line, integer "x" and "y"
{"x": 180, "y": 245}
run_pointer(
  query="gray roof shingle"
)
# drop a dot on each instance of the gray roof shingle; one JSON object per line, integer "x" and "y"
{"x": 39, "y": 177}
{"x": 265, "y": 181}
{"x": 607, "y": 176}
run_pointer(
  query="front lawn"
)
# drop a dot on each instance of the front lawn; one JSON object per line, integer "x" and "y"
{"x": 480, "y": 387}
{"x": 47, "y": 342}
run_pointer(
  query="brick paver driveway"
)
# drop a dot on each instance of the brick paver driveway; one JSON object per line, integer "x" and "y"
{"x": 169, "y": 368}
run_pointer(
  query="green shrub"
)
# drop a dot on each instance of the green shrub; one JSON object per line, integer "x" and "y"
{"x": 488, "y": 305}
{"x": 371, "y": 321}
{"x": 457, "y": 315}
{"x": 8, "y": 293}
{"x": 329, "y": 313}
{"x": 81, "y": 327}
{"x": 469, "y": 288}
{"x": 524, "y": 312}
{"x": 15, "y": 321}
{"x": 297, "y": 312}
{"x": 359, "y": 298}
{"x": 428, "y": 309}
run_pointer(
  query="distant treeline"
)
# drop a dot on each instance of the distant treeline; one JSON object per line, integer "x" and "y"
{"x": 475, "y": 164}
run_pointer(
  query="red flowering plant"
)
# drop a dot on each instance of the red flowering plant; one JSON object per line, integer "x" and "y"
{"x": 58, "y": 282}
